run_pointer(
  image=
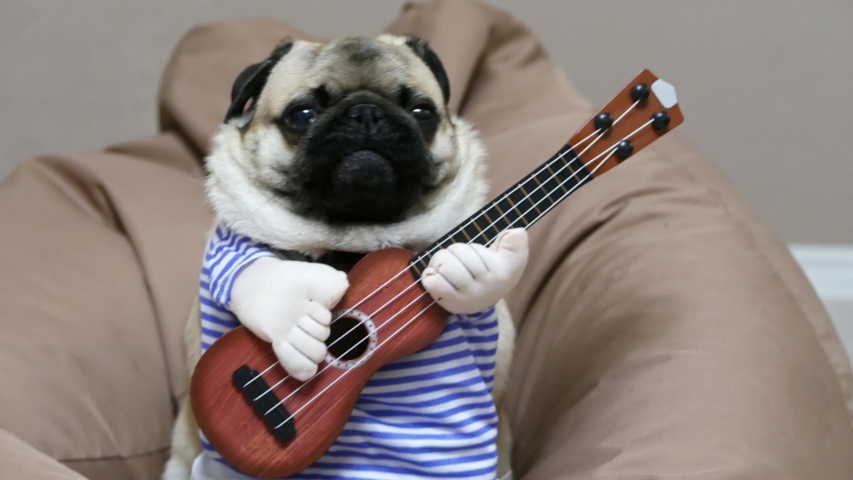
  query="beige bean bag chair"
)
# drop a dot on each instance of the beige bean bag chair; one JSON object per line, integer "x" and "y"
{"x": 664, "y": 331}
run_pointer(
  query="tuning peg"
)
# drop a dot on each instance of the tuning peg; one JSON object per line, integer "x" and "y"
{"x": 603, "y": 121}
{"x": 660, "y": 120}
{"x": 640, "y": 91}
{"x": 624, "y": 149}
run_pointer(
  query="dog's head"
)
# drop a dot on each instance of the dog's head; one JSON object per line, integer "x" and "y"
{"x": 345, "y": 145}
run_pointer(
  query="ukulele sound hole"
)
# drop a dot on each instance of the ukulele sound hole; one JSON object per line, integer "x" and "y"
{"x": 344, "y": 344}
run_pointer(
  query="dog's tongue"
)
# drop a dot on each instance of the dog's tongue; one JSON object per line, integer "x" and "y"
{"x": 365, "y": 169}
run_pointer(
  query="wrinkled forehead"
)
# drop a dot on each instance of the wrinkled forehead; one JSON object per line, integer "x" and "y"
{"x": 346, "y": 65}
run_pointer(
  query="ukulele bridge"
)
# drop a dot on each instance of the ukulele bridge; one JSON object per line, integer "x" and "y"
{"x": 266, "y": 402}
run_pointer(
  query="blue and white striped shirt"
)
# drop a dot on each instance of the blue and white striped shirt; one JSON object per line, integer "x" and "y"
{"x": 427, "y": 415}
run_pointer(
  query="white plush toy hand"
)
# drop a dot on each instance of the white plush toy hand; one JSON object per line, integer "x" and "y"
{"x": 288, "y": 304}
{"x": 469, "y": 278}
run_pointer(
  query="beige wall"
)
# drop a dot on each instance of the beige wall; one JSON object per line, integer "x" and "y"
{"x": 766, "y": 85}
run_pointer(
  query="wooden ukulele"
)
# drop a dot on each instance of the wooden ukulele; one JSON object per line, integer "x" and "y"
{"x": 268, "y": 425}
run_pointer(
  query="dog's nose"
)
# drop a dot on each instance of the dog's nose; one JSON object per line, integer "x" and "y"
{"x": 366, "y": 113}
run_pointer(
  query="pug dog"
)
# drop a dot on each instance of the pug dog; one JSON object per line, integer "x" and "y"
{"x": 330, "y": 151}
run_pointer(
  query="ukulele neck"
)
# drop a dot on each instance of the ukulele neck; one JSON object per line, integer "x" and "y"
{"x": 520, "y": 206}
{"x": 643, "y": 111}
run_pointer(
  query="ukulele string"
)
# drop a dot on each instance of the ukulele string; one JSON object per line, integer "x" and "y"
{"x": 361, "y": 322}
{"x": 474, "y": 218}
{"x": 329, "y": 365}
{"x": 611, "y": 150}
{"x": 470, "y": 221}
{"x": 416, "y": 282}
{"x": 315, "y": 397}
{"x": 520, "y": 185}
{"x": 507, "y": 194}
{"x": 547, "y": 165}
{"x": 591, "y": 173}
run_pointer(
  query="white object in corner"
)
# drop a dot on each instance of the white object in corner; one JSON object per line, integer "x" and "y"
{"x": 665, "y": 93}
{"x": 830, "y": 270}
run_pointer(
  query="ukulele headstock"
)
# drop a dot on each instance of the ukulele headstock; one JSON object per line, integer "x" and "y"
{"x": 646, "y": 109}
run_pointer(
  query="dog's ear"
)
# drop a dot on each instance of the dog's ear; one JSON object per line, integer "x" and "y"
{"x": 250, "y": 83}
{"x": 425, "y": 52}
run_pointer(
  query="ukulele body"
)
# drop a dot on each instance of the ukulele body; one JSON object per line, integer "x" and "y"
{"x": 236, "y": 429}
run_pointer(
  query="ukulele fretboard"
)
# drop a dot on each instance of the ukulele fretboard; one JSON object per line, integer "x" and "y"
{"x": 520, "y": 206}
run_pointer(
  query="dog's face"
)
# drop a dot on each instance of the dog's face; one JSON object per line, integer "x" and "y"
{"x": 346, "y": 143}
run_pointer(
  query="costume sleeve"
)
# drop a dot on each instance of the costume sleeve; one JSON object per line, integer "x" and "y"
{"x": 227, "y": 254}
{"x": 480, "y": 318}
{"x": 481, "y": 330}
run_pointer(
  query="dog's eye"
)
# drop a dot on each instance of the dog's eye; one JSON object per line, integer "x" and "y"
{"x": 422, "y": 112}
{"x": 301, "y": 117}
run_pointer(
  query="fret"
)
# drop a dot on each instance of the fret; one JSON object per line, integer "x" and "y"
{"x": 508, "y": 213}
{"x": 562, "y": 185}
{"x": 546, "y": 191}
{"x": 461, "y": 237}
{"x": 518, "y": 207}
{"x": 492, "y": 223}
{"x": 514, "y": 206}
{"x": 419, "y": 265}
{"x": 569, "y": 163}
{"x": 474, "y": 222}
{"x": 539, "y": 184}
{"x": 551, "y": 185}
{"x": 512, "y": 211}
{"x": 500, "y": 211}
{"x": 504, "y": 216}
{"x": 529, "y": 198}
{"x": 518, "y": 197}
